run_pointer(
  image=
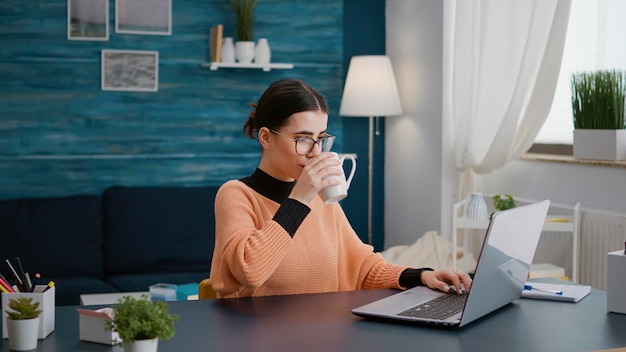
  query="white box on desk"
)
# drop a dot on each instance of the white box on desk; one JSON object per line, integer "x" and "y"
{"x": 616, "y": 282}
{"x": 46, "y": 305}
{"x": 91, "y": 327}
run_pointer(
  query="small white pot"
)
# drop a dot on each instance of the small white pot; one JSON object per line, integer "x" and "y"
{"x": 142, "y": 345}
{"x": 244, "y": 52}
{"x": 22, "y": 334}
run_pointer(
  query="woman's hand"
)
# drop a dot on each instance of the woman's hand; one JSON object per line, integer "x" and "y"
{"x": 442, "y": 280}
{"x": 314, "y": 177}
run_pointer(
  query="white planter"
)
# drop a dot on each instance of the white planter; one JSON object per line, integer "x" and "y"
{"x": 600, "y": 144}
{"x": 228, "y": 50}
{"x": 142, "y": 346}
{"x": 244, "y": 52}
{"x": 262, "y": 52}
{"x": 23, "y": 334}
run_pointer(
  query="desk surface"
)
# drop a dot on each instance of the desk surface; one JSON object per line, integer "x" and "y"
{"x": 323, "y": 322}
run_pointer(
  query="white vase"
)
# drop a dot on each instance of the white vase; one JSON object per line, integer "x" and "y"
{"x": 262, "y": 52}
{"x": 142, "y": 345}
{"x": 476, "y": 208}
{"x": 244, "y": 52}
{"x": 23, "y": 334}
{"x": 228, "y": 50}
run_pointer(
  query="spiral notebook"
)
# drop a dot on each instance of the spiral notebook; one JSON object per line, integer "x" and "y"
{"x": 543, "y": 290}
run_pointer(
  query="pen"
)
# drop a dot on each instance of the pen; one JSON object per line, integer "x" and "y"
{"x": 529, "y": 287}
{"x": 20, "y": 272}
{"x": 37, "y": 276}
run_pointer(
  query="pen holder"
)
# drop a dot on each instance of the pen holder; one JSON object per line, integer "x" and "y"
{"x": 615, "y": 283}
{"x": 46, "y": 305}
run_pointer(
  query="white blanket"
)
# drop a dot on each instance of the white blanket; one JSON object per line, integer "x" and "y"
{"x": 432, "y": 251}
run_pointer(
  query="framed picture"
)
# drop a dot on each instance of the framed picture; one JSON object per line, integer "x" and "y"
{"x": 130, "y": 70}
{"x": 143, "y": 17}
{"x": 88, "y": 19}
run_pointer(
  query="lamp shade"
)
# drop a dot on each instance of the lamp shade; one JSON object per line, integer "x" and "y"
{"x": 370, "y": 88}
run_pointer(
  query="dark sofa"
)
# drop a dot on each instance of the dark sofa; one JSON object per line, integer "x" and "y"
{"x": 124, "y": 240}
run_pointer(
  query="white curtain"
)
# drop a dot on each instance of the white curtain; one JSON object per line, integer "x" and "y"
{"x": 501, "y": 64}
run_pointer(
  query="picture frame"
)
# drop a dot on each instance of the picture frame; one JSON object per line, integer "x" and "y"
{"x": 130, "y": 70}
{"x": 88, "y": 20}
{"x": 151, "y": 17}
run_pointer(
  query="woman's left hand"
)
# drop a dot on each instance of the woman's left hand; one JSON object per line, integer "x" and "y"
{"x": 446, "y": 279}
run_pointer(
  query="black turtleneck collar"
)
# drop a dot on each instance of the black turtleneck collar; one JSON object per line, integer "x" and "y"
{"x": 268, "y": 186}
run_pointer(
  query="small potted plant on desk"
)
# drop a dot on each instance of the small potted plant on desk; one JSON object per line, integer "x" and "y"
{"x": 23, "y": 323}
{"x": 140, "y": 323}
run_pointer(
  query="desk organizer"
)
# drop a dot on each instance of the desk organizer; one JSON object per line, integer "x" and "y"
{"x": 615, "y": 283}
{"x": 91, "y": 326}
{"x": 46, "y": 305}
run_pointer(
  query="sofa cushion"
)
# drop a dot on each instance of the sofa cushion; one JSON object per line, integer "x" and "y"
{"x": 53, "y": 236}
{"x": 158, "y": 229}
{"x": 69, "y": 289}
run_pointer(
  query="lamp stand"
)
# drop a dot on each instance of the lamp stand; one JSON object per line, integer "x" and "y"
{"x": 370, "y": 179}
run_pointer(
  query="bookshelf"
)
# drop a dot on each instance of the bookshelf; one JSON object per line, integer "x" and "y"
{"x": 566, "y": 220}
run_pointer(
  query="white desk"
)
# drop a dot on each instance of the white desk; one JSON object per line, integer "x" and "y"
{"x": 460, "y": 221}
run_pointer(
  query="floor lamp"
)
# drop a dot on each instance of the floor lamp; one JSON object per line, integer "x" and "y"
{"x": 370, "y": 91}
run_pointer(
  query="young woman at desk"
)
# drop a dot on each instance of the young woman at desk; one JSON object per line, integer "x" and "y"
{"x": 275, "y": 235}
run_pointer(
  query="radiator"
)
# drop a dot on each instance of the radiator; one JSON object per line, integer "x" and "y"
{"x": 600, "y": 232}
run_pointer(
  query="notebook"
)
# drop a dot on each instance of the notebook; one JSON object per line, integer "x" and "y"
{"x": 568, "y": 292}
{"x": 503, "y": 265}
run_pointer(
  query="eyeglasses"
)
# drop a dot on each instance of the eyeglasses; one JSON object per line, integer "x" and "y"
{"x": 305, "y": 145}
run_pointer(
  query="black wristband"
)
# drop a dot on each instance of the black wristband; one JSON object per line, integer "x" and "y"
{"x": 410, "y": 278}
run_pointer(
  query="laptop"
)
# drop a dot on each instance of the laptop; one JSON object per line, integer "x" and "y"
{"x": 503, "y": 265}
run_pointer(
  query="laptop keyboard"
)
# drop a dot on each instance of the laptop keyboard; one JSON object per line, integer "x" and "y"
{"x": 440, "y": 308}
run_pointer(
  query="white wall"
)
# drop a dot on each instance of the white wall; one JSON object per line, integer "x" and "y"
{"x": 420, "y": 181}
{"x": 412, "y": 141}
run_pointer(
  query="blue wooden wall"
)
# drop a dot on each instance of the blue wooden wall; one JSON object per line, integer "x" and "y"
{"x": 60, "y": 134}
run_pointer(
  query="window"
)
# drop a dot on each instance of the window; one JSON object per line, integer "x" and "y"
{"x": 596, "y": 39}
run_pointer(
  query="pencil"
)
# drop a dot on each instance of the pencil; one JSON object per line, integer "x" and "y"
{"x": 50, "y": 285}
{"x": 17, "y": 277}
{"x": 5, "y": 284}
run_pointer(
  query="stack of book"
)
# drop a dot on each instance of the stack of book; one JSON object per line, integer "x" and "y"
{"x": 215, "y": 42}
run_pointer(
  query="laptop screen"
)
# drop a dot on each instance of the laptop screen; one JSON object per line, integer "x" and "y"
{"x": 505, "y": 259}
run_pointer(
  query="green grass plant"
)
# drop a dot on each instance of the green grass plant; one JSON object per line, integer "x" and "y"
{"x": 598, "y": 99}
{"x": 244, "y": 13}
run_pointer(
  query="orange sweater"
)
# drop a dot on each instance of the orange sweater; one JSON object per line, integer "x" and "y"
{"x": 256, "y": 256}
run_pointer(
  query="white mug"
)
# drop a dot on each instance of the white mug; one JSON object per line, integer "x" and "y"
{"x": 338, "y": 192}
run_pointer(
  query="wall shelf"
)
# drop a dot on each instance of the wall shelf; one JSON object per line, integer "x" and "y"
{"x": 265, "y": 67}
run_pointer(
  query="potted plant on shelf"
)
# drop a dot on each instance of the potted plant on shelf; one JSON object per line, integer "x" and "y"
{"x": 23, "y": 323}
{"x": 140, "y": 323}
{"x": 598, "y": 112}
{"x": 244, "y": 14}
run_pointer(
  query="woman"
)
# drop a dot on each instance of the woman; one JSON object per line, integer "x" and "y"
{"x": 275, "y": 236}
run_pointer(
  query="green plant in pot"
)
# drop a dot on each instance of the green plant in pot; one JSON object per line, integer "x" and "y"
{"x": 501, "y": 203}
{"x": 244, "y": 14}
{"x": 141, "y": 323}
{"x": 598, "y": 114}
{"x": 23, "y": 323}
